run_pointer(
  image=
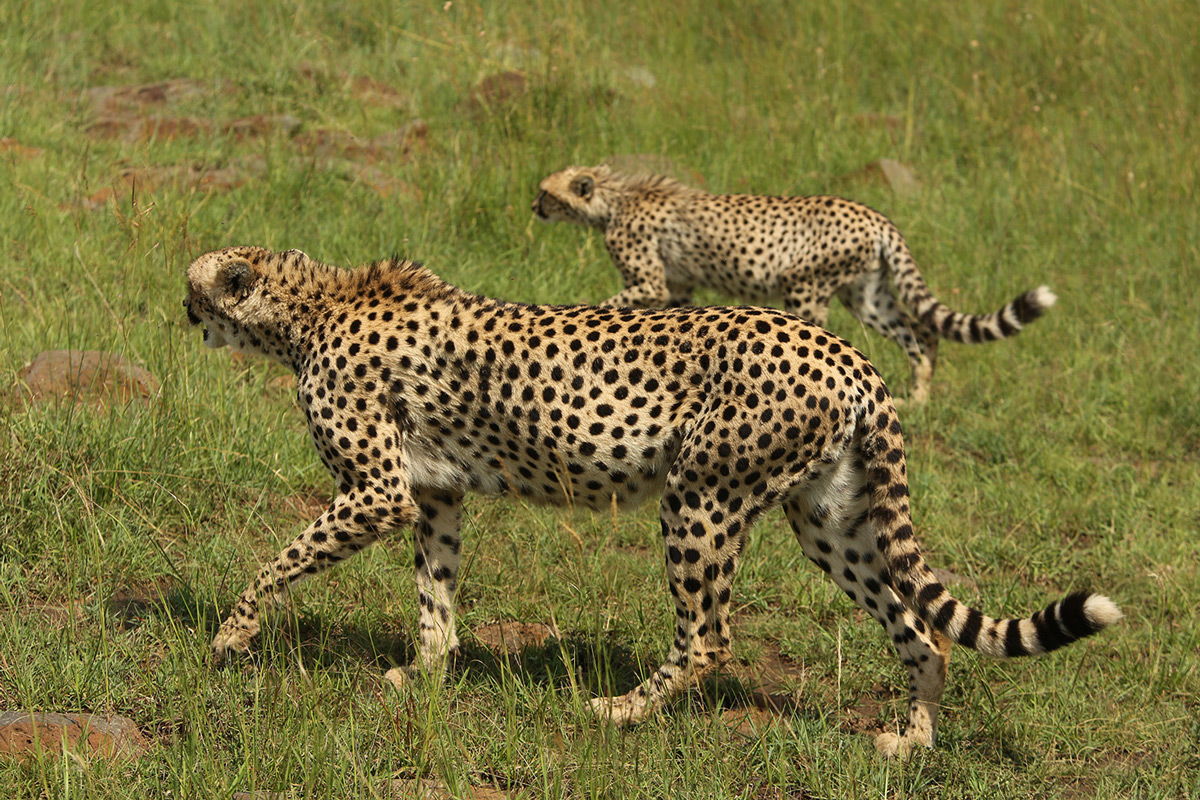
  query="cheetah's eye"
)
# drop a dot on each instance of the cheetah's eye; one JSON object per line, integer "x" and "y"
{"x": 584, "y": 187}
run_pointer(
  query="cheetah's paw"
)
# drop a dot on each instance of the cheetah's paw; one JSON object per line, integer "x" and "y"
{"x": 621, "y": 711}
{"x": 231, "y": 638}
{"x": 889, "y": 745}
{"x": 400, "y": 677}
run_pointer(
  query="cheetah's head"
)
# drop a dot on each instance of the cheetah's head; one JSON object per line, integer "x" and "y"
{"x": 234, "y": 294}
{"x": 576, "y": 194}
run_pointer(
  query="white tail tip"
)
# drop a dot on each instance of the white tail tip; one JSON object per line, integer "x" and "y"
{"x": 1101, "y": 611}
{"x": 1044, "y": 297}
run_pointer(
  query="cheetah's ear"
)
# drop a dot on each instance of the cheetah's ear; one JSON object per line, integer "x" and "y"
{"x": 236, "y": 277}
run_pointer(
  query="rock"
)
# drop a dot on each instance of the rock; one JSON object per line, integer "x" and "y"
{"x": 86, "y": 374}
{"x": 899, "y": 176}
{"x": 24, "y": 734}
{"x": 652, "y": 164}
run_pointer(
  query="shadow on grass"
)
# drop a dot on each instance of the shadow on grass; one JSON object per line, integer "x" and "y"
{"x": 598, "y": 665}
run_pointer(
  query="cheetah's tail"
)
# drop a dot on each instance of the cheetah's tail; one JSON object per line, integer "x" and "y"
{"x": 950, "y": 324}
{"x": 1060, "y": 623}
{"x": 975, "y": 328}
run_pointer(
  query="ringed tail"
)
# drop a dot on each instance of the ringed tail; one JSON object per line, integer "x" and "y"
{"x": 948, "y": 323}
{"x": 1060, "y": 623}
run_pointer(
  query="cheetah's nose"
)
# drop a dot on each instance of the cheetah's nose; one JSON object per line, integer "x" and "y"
{"x": 537, "y": 204}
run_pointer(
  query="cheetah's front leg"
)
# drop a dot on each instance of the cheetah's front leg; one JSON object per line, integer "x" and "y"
{"x": 354, "y": 520}
{"x": 636, "y": 256}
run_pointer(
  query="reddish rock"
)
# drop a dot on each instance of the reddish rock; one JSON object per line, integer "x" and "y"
{"x": 86, "y": 374}
{"x": 24, "y": 734}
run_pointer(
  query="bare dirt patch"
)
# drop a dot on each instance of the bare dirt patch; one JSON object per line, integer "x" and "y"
{"x": 130, "y": 606}
{"x": 494, "y": 91}
{"x": 113, "y": 99}
{"x": 362, "y": 87}
{"x": 89, "y": 375}
{"x": 11, "y": 146}
{"x": 195, "y": 177}
{"x": 327, "y": 143}
{"x": 506, "y": 638}
{"x": 133, "y": 127}
{"x": 140, "y": 114}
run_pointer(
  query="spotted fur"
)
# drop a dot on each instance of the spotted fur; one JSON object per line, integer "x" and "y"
{"x": 416, "y": 392}
{"x": 667, "y": 239}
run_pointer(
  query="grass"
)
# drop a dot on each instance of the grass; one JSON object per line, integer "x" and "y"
{"x": 1055, "y": 142}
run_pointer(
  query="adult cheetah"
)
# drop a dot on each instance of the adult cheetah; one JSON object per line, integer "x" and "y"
{"x": 667, "y": 239}
{"x": 416, "y": 392}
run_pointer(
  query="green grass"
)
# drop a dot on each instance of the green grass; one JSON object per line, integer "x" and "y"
{"x": 1056, "y": 143}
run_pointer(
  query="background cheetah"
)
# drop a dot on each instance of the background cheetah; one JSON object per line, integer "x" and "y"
{"x": 416, "y": 391}
{"x": 667, "y": 239}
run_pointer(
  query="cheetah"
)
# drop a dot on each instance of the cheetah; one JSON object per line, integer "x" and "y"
{"x": 667, "y": 239}
{"x": 416, "y": 392}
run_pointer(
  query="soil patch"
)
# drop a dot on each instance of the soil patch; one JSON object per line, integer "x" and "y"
{"x": 90, "y": 375}
{"x": 10, "y": 145}
{"x": 493, "y": 91}
{"x": 513, "y": 637}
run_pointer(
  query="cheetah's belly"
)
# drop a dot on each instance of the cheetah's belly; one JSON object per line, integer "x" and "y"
{"x": 728, "y": 266}
{"x": 549, "y": 478}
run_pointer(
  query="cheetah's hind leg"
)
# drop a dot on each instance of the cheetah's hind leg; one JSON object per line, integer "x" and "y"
{"x": 703, "y": 531}
{"x": 871, "y": 300}
{"x": 436, "y": 546}
{"x": 830, "y": 519}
